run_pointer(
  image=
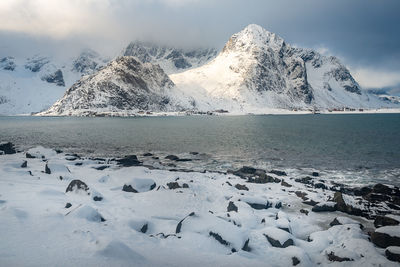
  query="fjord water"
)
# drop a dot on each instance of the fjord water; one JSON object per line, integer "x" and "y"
{"x": 362, "y": 147}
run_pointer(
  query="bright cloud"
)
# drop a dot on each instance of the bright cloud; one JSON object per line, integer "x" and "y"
{"x": 375, "y": 78}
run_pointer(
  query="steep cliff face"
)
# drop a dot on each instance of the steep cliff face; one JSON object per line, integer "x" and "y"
{"x": 257, "y": 69}
{"x": 125, "y": 85}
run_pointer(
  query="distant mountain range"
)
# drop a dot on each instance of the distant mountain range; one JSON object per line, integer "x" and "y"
{"x": 256, "y": 72}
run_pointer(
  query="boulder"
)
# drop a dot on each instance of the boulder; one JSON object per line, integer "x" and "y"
{"x": 278, "y": 238}
{"x": 342, "y": 206}
{"x": 285, "y": 184}
{"x": 325, "y": 206}
{"x": 232, "y": 207}
{"x": 129, "y": 188}
{"x": 393, "y": 253}
{"x": 129, "y": 161}
{"x": 386, "y": 236}
{"x": 7, "y": 148}
{"x": 295, "y": 261}
{"x": 173, "y": 185}
{"x": 172, "y": 157}
{"x": 241, "y": 187}
{"x": 77, "y": 185}
{"x": 386, "y": 221}
{"x": 277, "y": 172}
{"x": 332, "y": 257}
{"x": 47, "y": 169}
{"x": 24, "y": 164}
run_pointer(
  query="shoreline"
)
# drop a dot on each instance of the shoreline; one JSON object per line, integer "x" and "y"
{"x": 117, "y": 211}
{"x": 215, "y": 113}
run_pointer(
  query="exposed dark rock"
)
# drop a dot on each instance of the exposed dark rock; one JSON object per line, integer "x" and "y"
{"x": 392, "y": 255}
{"x": 56, "y": 77}
{"x": 24, "y": 164}
{"x": 29, "y": 156}
{"x": 301, "y": 195}
{"x": 384, "y": 221}
{"x": 246, "y": 246}
{"x": 7, "y": 148}
{"x": 129, "y": 161}
{"x": 285, "y": 184}
{"x": 219, "y": 238}
{"x": 68, "y": 205}
{"x": 100, "y": 168}
{"x": 144, "y": 228}
{"x": 333, "y": 257}
{"x": 295, "y": 261}
{"x": 384, "y": 240}
{"x": 193, "y": 153}
{"x": 304, "y": 211}
{"x": 305, "y": 180}
{"x": 320, "y": 186}
{"x": 276, "y": 243}
{"x": 76, "y": 185}
{"x": 382, "y": 189}
{"x": 78, "y": 163}
{"x": 129, "y": 188}
{"x": 184, "y": 160}
{"x": 241, "y": 187}
{"x": 179, "y": 226}
{"x": 263, "y": 179}
{"x": 258, "y": 206}
{"x": 343, "y": 207}
{"x": 315, "y": 174}
{"x": 172, "y": 157}
{"x": 97, "y": 198}
{"x": 232, "y": 207}
{"x": 310, "y": 202}
{"x": 173, "y": 185}
{"x": 185, "y": 185}
{"x": 321, "y": 207}
{"x": 47, "y": 169}
{"x": 147, "y": 155}
{"x": 277, "y": 172}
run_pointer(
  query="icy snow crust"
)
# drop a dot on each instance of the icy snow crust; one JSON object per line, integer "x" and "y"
{"x": 162, "y": 227}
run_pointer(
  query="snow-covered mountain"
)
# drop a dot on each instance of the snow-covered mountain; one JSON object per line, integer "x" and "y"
{"x": 171, "y": 59}
{"x": 33, "y": 84}
{"x": 124, "y": 86}
{"x": 257, "y": 71}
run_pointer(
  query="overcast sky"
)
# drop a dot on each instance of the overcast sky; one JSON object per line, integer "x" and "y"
{"x": 365, "y": 34}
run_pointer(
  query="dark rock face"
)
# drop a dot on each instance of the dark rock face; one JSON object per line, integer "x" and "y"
{"x": 77, "y": 185}
{"x": 129, "y": 188}
{"x": 391, "y": 255}
{"x": 172, "y": 157}
{"x": 285, "y": 184}
{"x": 29, "y": 156}
{"x": 219, "y": 238}
{"x": 258, "y": 206}
{"x": 385, "y": 221}
{"x": 276, "y": 243}
{"x": 321, "y": 208}
{"x": 241, "y": 187}
{"x": 129, "y": 161}
{"x": 179, "y": 226}
{"x": 246, "y": 246}
{"x": 7, "y": 148}
{"x": 147, "y": 155}
{"x": 304, "y": 211}
{"x": 332, "y": 257}
{"x": 144, "y": 228}
{"x": 24, "y": 164}
{"x": 97, "y": 198}
{"x": 68, "y": 205}
{"x": 384, "y": 240}
{"x": 47, "y": 169}
{"x": 315, "y": 174}
{"x": 57, "y": 77}
{"x": 343, "y": 207}
{"x": 295, "y": 261}
{"x": 232, "y": 207}
{"x": 36, "y": 63}
{"x": 7, "y": 63}
{"x": 173, "y": 185}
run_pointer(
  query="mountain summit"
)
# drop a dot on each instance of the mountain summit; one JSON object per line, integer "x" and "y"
{"x": 258, "y": 70}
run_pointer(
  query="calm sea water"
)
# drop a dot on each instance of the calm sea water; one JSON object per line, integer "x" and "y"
{"x": 360, "y": 147}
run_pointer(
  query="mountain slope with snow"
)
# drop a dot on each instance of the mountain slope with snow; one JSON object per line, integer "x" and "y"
{"x": 171, "y": 59}
{"x": 124, "y": 86}
{"x": 33, "y": 84}
{"x": 257, "y": 71}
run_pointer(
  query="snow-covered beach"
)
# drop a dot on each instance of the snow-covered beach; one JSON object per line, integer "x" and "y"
{"x": 64, "y": 209}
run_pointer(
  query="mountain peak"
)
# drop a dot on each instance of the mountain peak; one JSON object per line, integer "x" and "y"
{"x": 254, "y": 36}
